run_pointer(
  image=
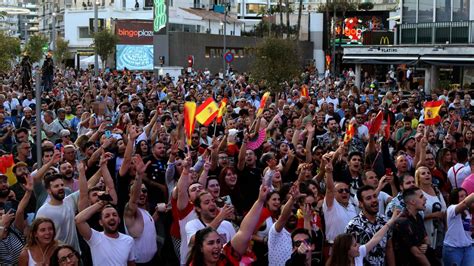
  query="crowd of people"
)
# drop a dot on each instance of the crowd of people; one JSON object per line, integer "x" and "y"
{"x": 280, "y": 181}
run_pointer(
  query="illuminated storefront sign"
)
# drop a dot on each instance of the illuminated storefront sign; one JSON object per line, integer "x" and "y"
{"x": 159, "y": 20}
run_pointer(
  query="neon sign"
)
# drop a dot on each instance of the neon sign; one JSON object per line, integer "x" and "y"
{"x": 159, "y": 21}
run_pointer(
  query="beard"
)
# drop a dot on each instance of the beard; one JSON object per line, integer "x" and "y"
{"x": 69, "y": 175}
{"x": 4, "y": 193}
{"x": 58, "y": 196}
{"x": 109, "y": 229}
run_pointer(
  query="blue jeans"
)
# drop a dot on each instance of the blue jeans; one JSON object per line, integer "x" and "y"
{"x": 458, "y": 256}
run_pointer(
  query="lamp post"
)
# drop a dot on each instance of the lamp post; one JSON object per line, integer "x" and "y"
{"x": 26, "y": 32}
{"x": 226, "y": 5}
{"x": 96, "y": 29}
{"x": 53, "y": 33}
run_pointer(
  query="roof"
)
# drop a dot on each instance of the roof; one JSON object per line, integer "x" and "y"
{"x": 211, "y": 15}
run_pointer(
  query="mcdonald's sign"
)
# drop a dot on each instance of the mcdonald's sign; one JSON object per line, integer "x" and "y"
{"x": 384, "y": 40}
{"x": 377, "y": 38}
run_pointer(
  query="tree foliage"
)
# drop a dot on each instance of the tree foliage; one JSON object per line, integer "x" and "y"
{"x": 62, "y": 51}
{"x": 34, "y": 47}
{"x": 9, "y": 51}
{"x": 104, "y": 44}
{"x": 276, "y": 61}
{"x": 341, "y": 6}
{"x": 366, "y": 6}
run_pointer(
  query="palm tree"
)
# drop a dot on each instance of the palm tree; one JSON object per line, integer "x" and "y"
{"x": 288, "y": 31}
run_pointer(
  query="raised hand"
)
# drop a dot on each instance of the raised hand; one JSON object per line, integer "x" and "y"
{"x": 140, "y": 166}
{"x": 262, "y": 195}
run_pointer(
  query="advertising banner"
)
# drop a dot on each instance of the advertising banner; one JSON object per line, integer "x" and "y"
{"x": 134, "y": 57}
{"x": 134, "y": 31}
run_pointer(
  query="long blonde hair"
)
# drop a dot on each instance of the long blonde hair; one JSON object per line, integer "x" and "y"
{"x": 31, "y": 240}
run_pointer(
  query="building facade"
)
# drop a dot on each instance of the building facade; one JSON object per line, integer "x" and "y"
{"x": 436, "y": 37}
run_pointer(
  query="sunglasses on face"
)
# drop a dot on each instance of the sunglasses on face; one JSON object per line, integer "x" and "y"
{"x": 342, "y": 190}
{"x": 298, "y": 243}
{"x": 144, "y": 190}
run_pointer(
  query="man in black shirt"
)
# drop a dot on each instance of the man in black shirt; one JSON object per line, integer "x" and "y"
{"x": 409, "y": 235}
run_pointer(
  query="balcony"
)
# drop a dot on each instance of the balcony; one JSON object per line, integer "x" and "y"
{"x": 456, "y": 32}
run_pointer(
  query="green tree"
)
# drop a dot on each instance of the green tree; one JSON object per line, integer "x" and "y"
{"x": 34, "y": 47}
{"x": 62, "y": 51}
{"x": 9, "y": 51}
{"x": 276, "y": 61}
{"x": 104, "y": 44}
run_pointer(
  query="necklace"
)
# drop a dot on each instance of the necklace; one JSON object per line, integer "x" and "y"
{"x": 43, "y": 253}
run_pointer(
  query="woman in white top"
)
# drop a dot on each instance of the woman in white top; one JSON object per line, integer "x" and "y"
{"x": 40, "y": 243}
{"x": 346, "y": 251}
{"x": 435, "y": 208}
{"x": 457, "y": 249}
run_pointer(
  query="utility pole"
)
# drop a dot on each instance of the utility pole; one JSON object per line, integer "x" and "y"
{"x": 225, "y": 44}
{"x": 53, "y": 33}
{"x": 96, "y": 29}
{"x": 334, "y": 39}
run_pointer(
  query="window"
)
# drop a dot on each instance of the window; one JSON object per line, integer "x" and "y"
{"x": 409, "y": 11}
{"x": 255, "y": 8}
{"x": 84, "y": 33}
{"x": 443, "y": 10}
{"x": 460, "y": 10}
{"x": 425, "y": 11}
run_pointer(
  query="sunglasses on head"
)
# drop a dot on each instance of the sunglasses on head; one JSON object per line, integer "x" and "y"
{"x": 342, "y": 190}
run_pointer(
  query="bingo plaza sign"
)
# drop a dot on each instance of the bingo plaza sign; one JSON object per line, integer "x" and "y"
{"x": 132, "y": 31}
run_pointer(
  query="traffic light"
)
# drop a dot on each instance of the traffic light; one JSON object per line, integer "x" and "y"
{"x": 162, "y": 60}
{"x": 190, "y": 61}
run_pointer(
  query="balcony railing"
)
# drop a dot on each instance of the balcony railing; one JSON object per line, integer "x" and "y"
{"x": 456, "y": 32}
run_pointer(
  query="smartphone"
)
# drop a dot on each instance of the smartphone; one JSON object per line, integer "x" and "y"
{"x": 105, "y": 197}
{"x": 108, "y": 134}
{"x": 388, "y": 171}
{"x": 267, "y": 178}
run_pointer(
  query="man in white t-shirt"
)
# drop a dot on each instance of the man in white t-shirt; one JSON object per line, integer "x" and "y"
{"x": 280, "y": 245}
{"x": 337, "y": 206}
{"x": 108, "y": 247}
{"x": 61, "y": 210}
{"x": 461, "y": 170}
{"x": 208, "y": 215}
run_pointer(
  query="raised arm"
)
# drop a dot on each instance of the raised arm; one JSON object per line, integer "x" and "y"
{"x": 286, "y": 212}
{"x": 309, "y": 141}
{"x": 127, "y": 157}
{"x": 82, "y": 217}
{"x": 38, "y": 177}
{"x": 330, "y": 189}
{"x": 243, "y": 149}
{"x": 83, "y": 201}
{"x": 381, "y": 233}
{"x": 132, "y": 207}
{"x": 19, "y": 222}
{"x": 205, "y": 172}
{"x": 150, "y": 125}
{"x": 107, "y": 177}
{"x": 241, "y": 240}
{"x": 183, "y": 184}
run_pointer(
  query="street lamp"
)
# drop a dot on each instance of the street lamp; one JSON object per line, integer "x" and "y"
{"x": 226, "y": 5}
{"x": 26, "y": 32}
{"x": 96, "y": 29}
{"x": 53, "y": 33}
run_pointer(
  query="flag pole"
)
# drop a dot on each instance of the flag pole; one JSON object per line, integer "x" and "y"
{"x": 215, "y": 127}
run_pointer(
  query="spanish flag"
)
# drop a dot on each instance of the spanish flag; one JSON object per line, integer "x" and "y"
{"x": 431, "y": 112}
{"x": 376, "y": 123}
{"x": 189, "y": 120}
{"x": 263, "y": 101}
{"x": 387, "y": 128}
{"x": 222, "y": 110}
{"x": 304, "y": 91}
{"x": 207, "y": 111}
{"x": 6, "y": 168}
{"x": 350, "y": 131}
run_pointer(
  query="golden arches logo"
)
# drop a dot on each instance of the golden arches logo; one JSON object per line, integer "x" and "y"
{"x": 384, "y": 40}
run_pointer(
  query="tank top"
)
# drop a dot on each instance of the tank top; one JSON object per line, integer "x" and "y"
{"x": 145, "y": 245}
{"x": 31, "y": 261}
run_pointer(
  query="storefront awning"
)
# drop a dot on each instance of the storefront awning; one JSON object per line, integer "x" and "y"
{"x": 380, "y": 60}
{"x": 448, "y": 61}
